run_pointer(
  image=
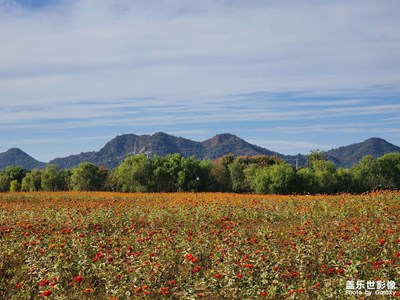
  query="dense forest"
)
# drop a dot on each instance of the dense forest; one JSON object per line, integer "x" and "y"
{"x": 243, "y": 174}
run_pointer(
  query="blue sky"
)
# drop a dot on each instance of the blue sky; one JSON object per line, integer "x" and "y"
{"x": 289, "y": 76}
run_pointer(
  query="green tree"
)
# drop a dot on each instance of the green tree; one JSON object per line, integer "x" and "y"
{"x": 4, "y": 183}
{"x": 276, "y": 179}
{"x": 325, "y": 175}
{"x": 15, "y": 186}
{"x": 324, "y": 172}
{"x": 315, "y": 156}
{"x": 190, "y": 170}
{"x": 32, "y": 181}
{"x": 221, "y": 179}
{"x": 365, "y": 175}
{"x": 166, "y": 172}
{"x": 345, "y": 181}
{"x": 135, "y": 174}
{"x": 54, "y": 178}
{"x": 306, "y": 181}
{"x": 388, "y": 169}
{"x": 11, "y": 173}
{"x": 250, "y": 172}
{"x": 237, "y": 176}
{"x": 204, "y": 174}
{"x": 87, "y": 177}
{"x": 282, "y": 178}
{"x": 261, "y": 181}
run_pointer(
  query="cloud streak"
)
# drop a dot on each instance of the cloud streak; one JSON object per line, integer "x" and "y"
{"x": 106, "y": 67}
{"x": 128, "y": 48}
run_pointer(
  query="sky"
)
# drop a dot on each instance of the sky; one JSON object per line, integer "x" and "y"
{"x": 291, "y": 76}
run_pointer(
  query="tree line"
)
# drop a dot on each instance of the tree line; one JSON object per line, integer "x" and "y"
{"x": 175, "y": 173}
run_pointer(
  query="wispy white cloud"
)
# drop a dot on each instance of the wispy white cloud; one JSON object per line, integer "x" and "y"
{"x": 143, "y": 112}
{"x": 195, "y": 66}
{"x": 178, "y": 48}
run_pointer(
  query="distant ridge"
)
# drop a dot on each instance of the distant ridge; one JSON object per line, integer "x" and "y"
{"x": 17, "y": 157}
{"x": 160, "y": 143}
{"x": 348, "y": 156}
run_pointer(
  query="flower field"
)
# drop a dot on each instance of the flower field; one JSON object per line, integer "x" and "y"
{"x": 79, "y": 245}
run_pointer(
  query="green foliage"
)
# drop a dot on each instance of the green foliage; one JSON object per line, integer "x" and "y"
{"x": 306, "y": 181}
{"x": 276, "y": 179}
{"x": 9, "y": 174}
{"x": 32, "y": 181}
{"x": 87, "y": 177}
{"x": 54, "y": 178}
{"x": 237, "y": 176}
{"x": 221, "y": 180}
{"x": 175, "y": 173}
{"x": 364, "y": 174}
{"x": 325, "y": 175}
{"x": 315, "y": 156}
{"x": 345, "y": 181}
{"x": 388, "y": 169}
{"x": 15, "y": 186}
{"x": 135, "y": 174}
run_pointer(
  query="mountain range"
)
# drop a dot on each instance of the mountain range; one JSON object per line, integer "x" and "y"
{"x": 117, "y": 149}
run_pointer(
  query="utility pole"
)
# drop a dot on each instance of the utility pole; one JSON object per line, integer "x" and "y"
{"x": 297, "y": 163}
{"x": 147, "y": 153}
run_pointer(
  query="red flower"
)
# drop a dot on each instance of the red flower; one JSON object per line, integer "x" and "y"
{"x": 163, "y": 291}
{"x": 188, "y": 256}
{"x": 240, "y": 275}
{"x": 172, "y": 282}
{"x": 264, "y": 294}
{"x": 110, "y": 259}
{"x": 218, "y": 276}
{"x": 46, "y": 293}
{"x": 78, "y": 278}
{"x": 396, "y": 254}
{"x": 44, "y": 282}
{"x": 196, "y": 269}
{"x": 381, "y": 241}
{"x": 19, "y": 285}
{"x": 294, "y": 274}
